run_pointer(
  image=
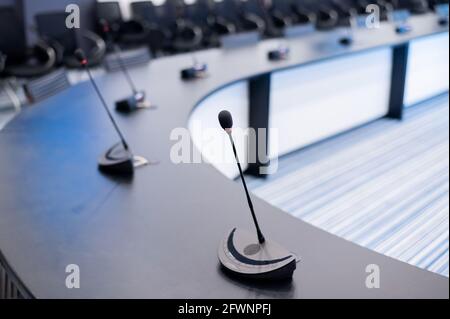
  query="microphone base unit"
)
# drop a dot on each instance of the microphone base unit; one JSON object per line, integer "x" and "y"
{"x": 279, "y": 54}
{"x": 345, "y": 36}
{"x": 442, "y": 12}
{"x": 400, "y": 19}
{"x": 443, "y": 21}
{"x": 403, "y": 29}
{"x": 346, "y": 41}
{"x": 242, "y": 256}
{"x": 119, "y": 161}
{"x": 133, "y": 103}
{"x": 197, "y": 71}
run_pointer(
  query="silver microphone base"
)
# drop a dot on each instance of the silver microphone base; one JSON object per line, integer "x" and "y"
{"x": 119, "y": 161}
{"x": 241, "y": 255}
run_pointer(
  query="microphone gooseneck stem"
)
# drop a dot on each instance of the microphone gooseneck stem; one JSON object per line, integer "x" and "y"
{"x": 261, "y": 238}
{"x": 124, "y": 68}
{"x": 91, "y": 78}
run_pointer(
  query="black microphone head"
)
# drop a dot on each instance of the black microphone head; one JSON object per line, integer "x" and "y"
{"x": 80, "y": 56}
{"x": 105, "y": 25}
{"x": 226, "y": 120}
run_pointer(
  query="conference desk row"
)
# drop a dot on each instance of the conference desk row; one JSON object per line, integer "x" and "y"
{"x": 156, "y": 235}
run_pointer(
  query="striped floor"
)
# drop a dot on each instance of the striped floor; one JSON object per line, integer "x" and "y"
{"x": 7, "y": 110}
{"x": 384, "y": 186}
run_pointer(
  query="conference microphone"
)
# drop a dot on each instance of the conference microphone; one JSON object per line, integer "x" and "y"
{"x": 138, "y": 99}
{"x": 442, "y": 12}
{"x": 239, "y": 254}
{"x": 400, "y": 19}
{"x": 196, "y": 71}
{"x": 118, "y": 160}
{"x": 347, "y": 38}
{"x": 279, "y": 54}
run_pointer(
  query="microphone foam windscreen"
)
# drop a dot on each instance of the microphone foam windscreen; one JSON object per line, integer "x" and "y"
{"x": 79, "y": 55}
{"x": 225, "y": 120}
{"x": 105, "y": 25}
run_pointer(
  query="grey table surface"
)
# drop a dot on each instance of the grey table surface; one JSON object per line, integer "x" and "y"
{"x": 156, "y": 236}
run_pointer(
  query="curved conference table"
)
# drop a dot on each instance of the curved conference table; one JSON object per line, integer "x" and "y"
{"x": 156, "y": 236}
